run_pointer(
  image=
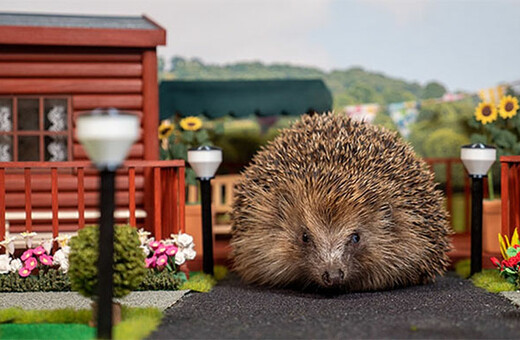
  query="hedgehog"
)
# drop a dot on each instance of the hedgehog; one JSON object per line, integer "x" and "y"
{"x": 338, "y": 204}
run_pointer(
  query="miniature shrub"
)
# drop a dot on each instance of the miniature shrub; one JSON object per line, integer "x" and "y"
{"x": 199, "y": 282}
{"x": 129, "y": 269}
{"x": 45, "y": 281}
{"x": 164, "y": 280}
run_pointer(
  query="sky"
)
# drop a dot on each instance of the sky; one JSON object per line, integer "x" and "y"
{"x": 464, "y": 44}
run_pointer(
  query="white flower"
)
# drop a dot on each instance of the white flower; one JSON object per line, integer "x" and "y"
{"x": 63, "y": 240}
{"x": 179, "y": 258}
{"x": 47, "y": 245}
{"x": 185, "y": 244}
{"x": 143, "y": 235}
{"x": 184, "y": 240}
{"x": 5, "y": 266}
{"x": 189, "y": 253}
{"x": 28, "y": 236}
{"x": 145, "y": 249}
{"x": 16, "y": 265}
{"x": 8, "y": 244}
{"x": 61, "y": 258}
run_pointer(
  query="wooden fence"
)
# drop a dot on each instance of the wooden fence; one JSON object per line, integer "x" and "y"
{"x": 52, "y": 196}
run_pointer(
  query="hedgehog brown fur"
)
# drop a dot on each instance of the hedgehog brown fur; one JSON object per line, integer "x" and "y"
{"x": 338, "y": 204}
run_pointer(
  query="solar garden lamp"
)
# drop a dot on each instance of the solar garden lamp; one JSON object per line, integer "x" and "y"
{"x": 205, "y": 161}
{"x": 107, "y": 136}
{"x": 477, "y": 159}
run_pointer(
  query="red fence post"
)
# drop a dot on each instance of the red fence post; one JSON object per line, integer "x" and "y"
{"x": 182, "y": 199}
{"x": 28, "y": 203}
{"x": 504, "y": 195}
{"x": 157, "y": 203}
{"x": 54, "y": 201}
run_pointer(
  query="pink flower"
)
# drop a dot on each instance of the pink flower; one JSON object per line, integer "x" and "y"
{"x": 161, "y": 260}
{"x": 39, "y": 251}
{"x": 30, "y": 263}
{"x": 150, "y": 262}
{"x": 154, "y": 244}
{"x": 171, "y": 250}
{"x": 45, "y": 260}
{"x": 161, "y": 249}
{"x": 24, "y": 272}
{"x": 28, "y": 253}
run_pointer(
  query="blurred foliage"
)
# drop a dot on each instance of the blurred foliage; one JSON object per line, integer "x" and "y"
{"x": 348, "y": 87}
{"x": 129, "y": 266}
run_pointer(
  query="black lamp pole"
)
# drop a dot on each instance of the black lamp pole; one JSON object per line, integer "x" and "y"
{"x": 476, "y": 223}
{"x": 106, "y": 257}
{"x": 207, "y": 228}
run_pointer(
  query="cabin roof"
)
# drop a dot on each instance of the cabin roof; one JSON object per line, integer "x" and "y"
{"x": 78, "y": 21}
{"x": 79, "y": 30}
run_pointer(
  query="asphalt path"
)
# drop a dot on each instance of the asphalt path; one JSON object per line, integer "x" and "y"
{"x": 450, "y": 308}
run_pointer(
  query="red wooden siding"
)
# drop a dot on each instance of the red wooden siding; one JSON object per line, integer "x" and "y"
{"x": 91, "y": 78}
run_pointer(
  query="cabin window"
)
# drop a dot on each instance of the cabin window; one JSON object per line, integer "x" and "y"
{"x": 35, "y": 129}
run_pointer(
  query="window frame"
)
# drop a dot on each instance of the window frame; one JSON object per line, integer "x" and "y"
{"x": 41, "y": 132}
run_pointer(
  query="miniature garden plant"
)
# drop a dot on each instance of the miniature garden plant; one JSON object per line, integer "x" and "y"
{"x": 497, "y": 126}
{"x": 129, "y": 269}
{"x": 177, "y": 136}
{"x": 510, "y": 265}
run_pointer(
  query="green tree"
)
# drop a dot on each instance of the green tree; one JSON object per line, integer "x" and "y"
{"x": 433, "y": 90}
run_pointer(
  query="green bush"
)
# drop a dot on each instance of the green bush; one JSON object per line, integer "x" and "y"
{"x": 47, "y": 281}
{"x": 129, "y": 267}
{"x": 163, "y": 280}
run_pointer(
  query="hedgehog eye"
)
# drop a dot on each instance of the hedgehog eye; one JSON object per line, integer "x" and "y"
{"x": 355, "y": 238}
{"x": 305, "y": 237}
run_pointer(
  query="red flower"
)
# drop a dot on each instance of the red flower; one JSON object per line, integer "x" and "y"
{"x": 513, "y": 261}
{"x": 516, "y": 246}
{"x": 495, "y": 261}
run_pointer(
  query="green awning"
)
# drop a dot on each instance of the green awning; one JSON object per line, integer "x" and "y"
{"x": 243, "y": 98}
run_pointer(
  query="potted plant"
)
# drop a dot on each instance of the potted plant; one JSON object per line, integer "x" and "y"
{"x": 500, "y": 127}
{"x": 129, "y": 265}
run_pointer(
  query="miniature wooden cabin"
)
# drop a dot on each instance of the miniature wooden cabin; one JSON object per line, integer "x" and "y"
{"x": 52, "y": 69}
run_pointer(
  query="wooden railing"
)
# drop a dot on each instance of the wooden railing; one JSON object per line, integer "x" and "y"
{"x": 448, "y": 185}
{"x": 510, "y": 193}
{"x": 61, "y": 192}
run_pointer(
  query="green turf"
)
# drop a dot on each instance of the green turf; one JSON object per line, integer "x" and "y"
{"x": 490, "y": 280}
{"x": 457, "y": 215}
{"x": 137, "y": 323}
{"x": 55, "y": 331}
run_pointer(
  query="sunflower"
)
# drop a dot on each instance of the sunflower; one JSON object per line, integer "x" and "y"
{"x": 191, "y": 123}
{"x": 486, "y": 113}
{"x": 508, "y": 107}
{"x": 165, "y": 129}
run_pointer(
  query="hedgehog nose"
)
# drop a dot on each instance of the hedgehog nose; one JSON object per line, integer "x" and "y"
{"x": 333, "y": 277}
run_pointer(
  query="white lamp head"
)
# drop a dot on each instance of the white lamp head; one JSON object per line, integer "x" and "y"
{"x": 478, "y": 158}
{"x": 205, "y": 161}
{"x": 107, "y": 135}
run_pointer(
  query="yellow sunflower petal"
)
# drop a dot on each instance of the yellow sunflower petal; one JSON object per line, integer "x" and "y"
{"x": 165, "y": 129}
{"x": 191, "y": 123}
{"x": 486, "y": 112}
{"x": 508, "y": 107}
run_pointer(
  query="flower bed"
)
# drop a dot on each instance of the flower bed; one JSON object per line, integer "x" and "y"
{"x": 509, "y": 267}
{"x": 40, "y": 268}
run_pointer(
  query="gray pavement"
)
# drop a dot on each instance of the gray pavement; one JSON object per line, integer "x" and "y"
{"x": 449, "y": 308}
{"x": 58, "y": 300}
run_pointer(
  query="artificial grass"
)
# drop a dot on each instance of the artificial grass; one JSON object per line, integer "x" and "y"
{"x": 200, "y": 282}
{"x": 17, "y": 323}
{"x": 47, "y": 331}
{"x": 490, "y": 280}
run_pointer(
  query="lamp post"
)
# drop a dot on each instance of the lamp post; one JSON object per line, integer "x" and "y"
{"x": 205, "y": 161}
{"x": 477, "y": 159}
{"x": 106, "y": 136}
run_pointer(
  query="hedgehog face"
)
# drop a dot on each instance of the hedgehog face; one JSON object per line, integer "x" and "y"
{"x": 330, "y": 243}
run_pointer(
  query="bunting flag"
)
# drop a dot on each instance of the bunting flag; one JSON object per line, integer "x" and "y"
{"x": 404, "y": 114}
{"x": 363, "y": 112}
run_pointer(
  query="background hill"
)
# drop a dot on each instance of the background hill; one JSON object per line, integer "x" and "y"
{"x": 350, "y": 86}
